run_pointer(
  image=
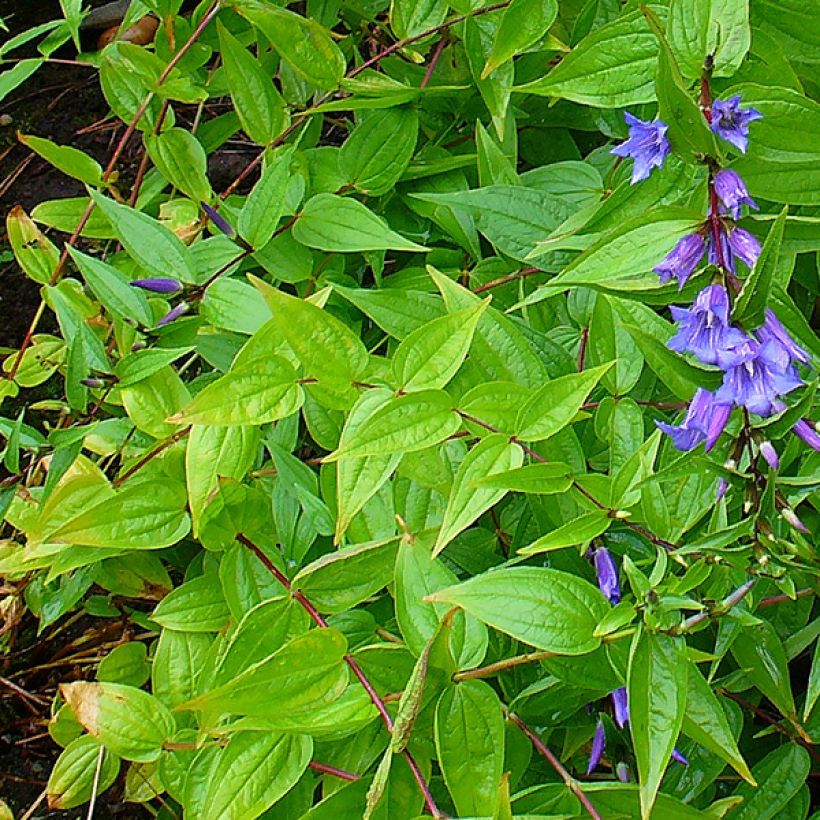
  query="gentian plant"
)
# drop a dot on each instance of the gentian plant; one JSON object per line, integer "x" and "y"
{"x": 456, "y": 457}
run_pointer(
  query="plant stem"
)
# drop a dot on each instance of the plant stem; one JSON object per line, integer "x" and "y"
{"x": 323, "y": 768}
{"x": 180, "y": 434}
{"x": 510, "y": 277}
{"x": 377, "y": 701}
{"x": 500, "y": 666}
{"x": 722, "y": 608}
{"x": 545, "y": 751}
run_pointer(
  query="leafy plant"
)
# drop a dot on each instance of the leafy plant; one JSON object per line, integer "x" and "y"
{"x": 367, "y": 444}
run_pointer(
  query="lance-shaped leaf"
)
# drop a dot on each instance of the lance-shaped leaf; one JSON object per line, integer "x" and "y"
{"x": 74, "y": 777}
{"x": 469, "y": 498}
{"x": 256, "y": 392}
{"x": 705, "y": 722}
{"x": 198, "y": 605}
{"x": 325, "y": 346}
{"x": 580, "y": 530}
{"x": 69, "y": 160}
{"x": 265, "y": 204}
{"x": 656, "y": 685}
{"x": 780, "y": 774}
{"x": 556, "y": 404}
{"x": 182, "y": 160}
{"x": 538, "y": 479}
{"x": 546, "y": 608}
{"x": 523, "y": 24}
{"x": 403, "y": 424}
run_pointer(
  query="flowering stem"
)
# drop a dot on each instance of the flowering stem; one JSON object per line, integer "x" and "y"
{"x": 545, "y": 751}
{"x": 722, "y": 608}
{"x": 377, "y": 701}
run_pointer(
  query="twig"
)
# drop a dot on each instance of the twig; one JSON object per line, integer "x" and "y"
{"x": 543, "y": 749}
{"x": 180, "y": 434}
{"x": 428, "y": 74}
{"x": 774, "y": 600}
{"x": 311, "y": 610}
{"x": 582, "y": 348}
{"x": 323, "y": 768}
{"x": 722, "y": 608}
{"x": 500, "y": 666}
{"x": 510, "y": 277}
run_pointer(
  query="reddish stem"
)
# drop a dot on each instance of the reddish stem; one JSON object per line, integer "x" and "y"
{"x": 428, "y": 74}
{"x": 323, "y": 768}
{"x": 350, "y": 661}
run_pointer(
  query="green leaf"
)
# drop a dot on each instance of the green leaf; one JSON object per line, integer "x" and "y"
{"x": 17, "y": 75}
{"x": 326, "y": 347}
{"x": 306, "y": 46}
{"x": 512, "y": 217}
{"x": 179, "y": 660}
{"x": 403, "y": 424}
{"x": 252, "y": 773}
{"x": 213, "y": 453}
{"x": 74, "y": 777}
{"x": 35, "y": 254}
{"x": 432, "y": 354}
{"x": 127, "y": 721}
{"x": 705, "y": 722}
{"x": 469, "y": 734}
{"x": 750, "y": 306}
{"x": 624, "y": 52}
{"x": 157, "y": 250}
{"x": 418, "y": 575}
{"x": 657, "y": 687}
{"x": 257, "y": 102}
{"x": 523, "y": 24}
{"x": 409, "y": 18}
{"x": 340, "y": 580}
{"x": 308, "y": 672}
{"x": 624, "y": 258}
{"x": 70, "y": 161}
{"x": 536, "y": 479}
{"x": 581, "y": 530}
{"x": 468, "y": 498}
{"x": 688, "y": 130}
{"x": 197, "y": 605}
{"x": 556, "y": 404}
{"x": 145, "y": 515}
{"x": 181, "y": 159}
{"x": 256, "y": 392}
{"x": 700, "y": 27}
{"x": 113, "y": 289}
{"x": 126, "y": 663}
{"x": 546, "y": 608}
{"x": 265, "y": 204}
{"x": 334, "y": 223}
{"x": 813, "y": 690}
{"x": 759, "y": 652}
{"x": 780, "y": 774}
{"x": 377, "y": 153}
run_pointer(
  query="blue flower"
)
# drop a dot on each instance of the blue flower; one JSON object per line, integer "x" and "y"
{"x": 620, "y": 706}
{"x": 731, "y": 122}
{"x": 647, "y": 145}
{"x": 679, "y": 758}
{"x": 218, "y": 220}
{"x": 732, "y": 192}
{"x": 705, "y": 329}
{"x": 705, "y": 419}
{"x": 180, "y": 310}
{"x": 727, "y": 259}
{"x": 682, "y": 259}
{"x": 773, "y": 329}
{"x": 598, "y": 746}
{"x": 744, "y": 246}
{"x": 770, "y": 454}
{"x": 760, "y": 374}
{"x": 607, "y": 574}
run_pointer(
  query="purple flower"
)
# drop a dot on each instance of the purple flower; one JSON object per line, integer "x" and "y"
{"x": 722, "y": 487}
{"x": 704, "y": 329}
{"x": 770, "y": 454}
{"x": 790, "y": 516}
{"x": 772, "y": 328}
{"x": 607, "y": 574}
{"x": 159, "y": 285}
{"x": 620, "y": 707}
{"x": 726, "y": 258}
{"x": 760, "y": 374}
{"x": 704, "y": 421}
{"x": 678, "y": 757}
{"x": 174, "y": 314}
{"x": 682, "y": 259}
{"x": 218, "y": 220}
{"x": 731, "y": 122}
{"x": 806, "y": 431}
{"x": 598, "y": 746}
{"x": 92, "y": 383}
{"x": 732, "y": 192}
{"x": 744, "y": 246}
{"x": 647, "y": 145}
{"x": 622, "y": 772}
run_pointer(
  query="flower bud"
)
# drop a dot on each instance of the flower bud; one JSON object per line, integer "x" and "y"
{"x": 174, "y": 314}
{"x": 218, "y": 220}
{"x": 94, "y": 384}
{"x": 166, "y": 286}
{"x": 677, "y": 756}
{"x": 598, "y": 746}
{"x": 770, "y": 454}
{"x": 790, "y": 516}
{"x": 622, "y": 772}
{"x": 607, "y": 574}
{"x": 620, "y": 707}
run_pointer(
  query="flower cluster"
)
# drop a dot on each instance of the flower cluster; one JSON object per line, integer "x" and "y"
{"x": 758, "y": 367}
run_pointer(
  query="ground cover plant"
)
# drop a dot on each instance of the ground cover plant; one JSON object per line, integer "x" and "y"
{"x": 457, "y": 457}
